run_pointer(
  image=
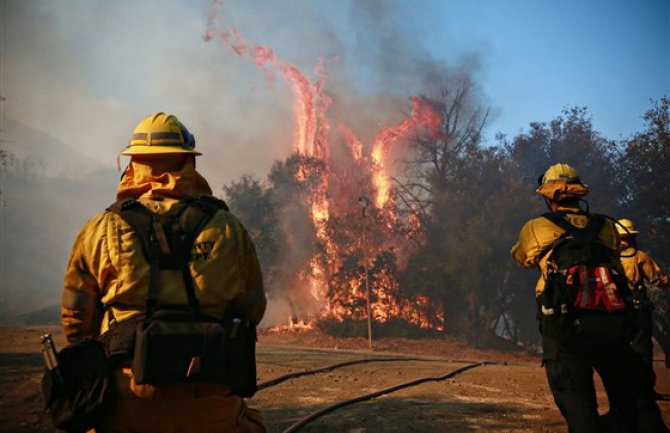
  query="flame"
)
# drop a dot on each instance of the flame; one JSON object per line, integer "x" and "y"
{"x": 310, "y": 102}
{"x": 315, "y": 278}
{"x": 423, "y": 114}
{"x": 352, "y": 141}
{"x": 332, "y": 192}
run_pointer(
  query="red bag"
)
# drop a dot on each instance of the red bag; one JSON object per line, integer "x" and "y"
{"x": 595, "y": 289}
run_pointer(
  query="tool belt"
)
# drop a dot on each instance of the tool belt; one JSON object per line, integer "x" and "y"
{"x": 562, "y": 322}
{"x": 180, "y": 347}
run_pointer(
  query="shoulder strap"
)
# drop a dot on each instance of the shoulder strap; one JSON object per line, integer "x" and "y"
{"x": 584, "y": 247}
{"x": 192, "y": 220}
{"x": 559, "y": 218}
{"x": 185, "y": 227}
{"x": 142, "y": 221}
{"x": 139, "y": 218}
{"x": 570, "y": 231}
{"x": 587, "y": 233}
{"x": 198, "y": 213}
{"x": 595, "y": 224}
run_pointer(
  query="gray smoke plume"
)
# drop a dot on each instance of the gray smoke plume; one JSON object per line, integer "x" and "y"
{"x": 77, "y": 78}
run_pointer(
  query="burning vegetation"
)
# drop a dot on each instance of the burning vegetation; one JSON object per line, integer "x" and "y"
{"x": 416, "y": 214}
{"x": 327, "y": 193}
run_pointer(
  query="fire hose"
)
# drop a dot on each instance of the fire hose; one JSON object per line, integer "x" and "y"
{"x": 284, "y": 378}
{"x": 316, "y": 414}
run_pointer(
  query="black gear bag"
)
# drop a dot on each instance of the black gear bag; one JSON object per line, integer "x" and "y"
{"x": 76, "y": 384}
{"x": 183, "y": 345}
{"x": 586, "y": 292}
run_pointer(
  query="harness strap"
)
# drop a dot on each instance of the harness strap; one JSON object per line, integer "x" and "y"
{"x": 191, "y": 222}
{"x": 185, "y": 227}
{"x": 586, "y": 234}
{"x": 138, "y": 217}
{"x": 154, "y": 271}
{"x": 591, "y": 230}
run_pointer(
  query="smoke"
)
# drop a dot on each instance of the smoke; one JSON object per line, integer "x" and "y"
{"x": 87, "y": 74}
{"x": 83, "y": 76}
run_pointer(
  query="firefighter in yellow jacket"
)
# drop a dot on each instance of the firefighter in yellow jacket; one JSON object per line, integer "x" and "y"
{"x": 639, "y": 266}
{"x": 107, "y": 280}
{"x": 569, "y": 363}
{"x": 642, "y": 271}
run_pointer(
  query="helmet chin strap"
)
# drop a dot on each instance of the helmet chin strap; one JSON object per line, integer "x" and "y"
{"x": 586, "y": 203}
{"x": 581, "y": 200}
{"x": 125, "y": 170}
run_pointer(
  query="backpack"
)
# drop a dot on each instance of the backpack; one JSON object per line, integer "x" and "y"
{"x": 181, "y": 345}
{"x": 586, "y": 291}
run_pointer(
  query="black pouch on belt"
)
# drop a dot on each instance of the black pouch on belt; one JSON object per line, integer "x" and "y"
{"x": 241, "y": 358}
{"x": 76, "y": 384}
{"x": 176, "y": 346}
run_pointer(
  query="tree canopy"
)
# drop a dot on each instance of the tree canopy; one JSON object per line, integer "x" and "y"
{"x": 463, "y": 202}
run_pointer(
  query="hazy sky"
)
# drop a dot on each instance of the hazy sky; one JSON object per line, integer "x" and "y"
{"x": 85, "y": 71}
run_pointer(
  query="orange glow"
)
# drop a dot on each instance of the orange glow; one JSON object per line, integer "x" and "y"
{"x": 316, "y": 279}
{"x": 352, "y": 141}
{"x": 423, "y": 115}
{"x": 335, "y": 275}
{"x": 307, "y": 107}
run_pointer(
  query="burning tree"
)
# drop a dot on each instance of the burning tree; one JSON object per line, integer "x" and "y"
{"x": 322, "y": 258}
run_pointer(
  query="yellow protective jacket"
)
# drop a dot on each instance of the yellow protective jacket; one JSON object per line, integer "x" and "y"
{"x": 108, "y": 270}
{"x": 639, "y": 267}
{"x": 538, "y": 235}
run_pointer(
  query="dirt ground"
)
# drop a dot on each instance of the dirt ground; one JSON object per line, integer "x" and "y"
{"x": 508, "y": 396}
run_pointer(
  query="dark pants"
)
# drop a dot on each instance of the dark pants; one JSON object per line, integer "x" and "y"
{"x": 661, "y": 320}
{"x": 662, "y": 335}
{"x": 624, "y": 373}
{"x": 642, "y": 343}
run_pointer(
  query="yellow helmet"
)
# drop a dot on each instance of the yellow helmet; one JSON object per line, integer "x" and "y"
{"x": 561, "y": 182}
{"x": 160, "y": 133}
{"x": 560, "y": 172}
{"x": 625, "y": 228}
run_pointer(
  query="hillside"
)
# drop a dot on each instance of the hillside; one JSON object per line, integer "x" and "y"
{"x": 48, "y": 191}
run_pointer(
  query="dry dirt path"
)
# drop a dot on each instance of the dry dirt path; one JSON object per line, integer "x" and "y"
{"x": 493, "y": 398}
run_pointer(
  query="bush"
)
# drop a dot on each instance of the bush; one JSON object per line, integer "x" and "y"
{"x": 390, "y": 328}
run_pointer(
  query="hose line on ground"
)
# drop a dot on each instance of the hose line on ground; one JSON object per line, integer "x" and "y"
{"x": 316, "y": 414}
{"x": 288, "y": 376}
